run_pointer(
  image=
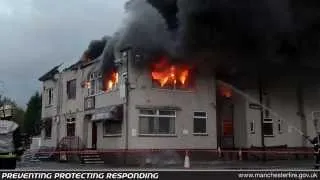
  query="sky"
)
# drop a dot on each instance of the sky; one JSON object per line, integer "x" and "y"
{"x": 36, "y": 35}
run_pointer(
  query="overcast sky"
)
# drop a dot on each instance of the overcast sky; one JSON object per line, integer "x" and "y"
{"x": 36, "y": 35}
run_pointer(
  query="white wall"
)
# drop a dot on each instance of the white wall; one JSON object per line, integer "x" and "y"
{"x": 49, "y": 112}
{"x": 284, "y": 104}
{"x": 241, "y": 126}
{"x": 311, "y": 103}
{"x": 201, "y": 98}
{"x": 105, "y": 100}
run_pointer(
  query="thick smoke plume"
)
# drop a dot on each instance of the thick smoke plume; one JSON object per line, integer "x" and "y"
{"x": 96, "y": 47}
{"x": 223, "y": 34}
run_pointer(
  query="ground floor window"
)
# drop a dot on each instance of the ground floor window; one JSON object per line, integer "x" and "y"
{"x": 47, "y": 128}
{"x": 200, "y": 122}
{"x": 280, "y": 123}
{"x": 156, "y": 121}
{"x": 252, "y": 127}
{"x": 268, "y": 127}
{"x": 112, "y": 127}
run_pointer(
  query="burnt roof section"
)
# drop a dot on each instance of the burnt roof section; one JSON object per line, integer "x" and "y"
{"x": 74, "y": 66}
{"x": 49, "y": 75}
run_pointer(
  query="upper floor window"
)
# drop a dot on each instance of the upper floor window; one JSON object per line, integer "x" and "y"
{"x": 111, "y": 80}
{"x": 95, "y": 83}
{"x": 72, "y": 89}
{"x": 49, "y": 96}
{"x": 171, "y": 76}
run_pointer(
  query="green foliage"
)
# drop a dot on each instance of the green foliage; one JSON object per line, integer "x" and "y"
{"x": 32, "y": 122}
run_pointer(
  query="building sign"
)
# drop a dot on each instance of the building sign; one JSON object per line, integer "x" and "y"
{"x": 89, "y": 103}
{"x": 254, "y": 106}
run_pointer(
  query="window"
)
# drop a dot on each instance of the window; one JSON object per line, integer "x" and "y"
{"x": 166, "y": 75}
{"x": 155, "y": 121}
{"x": 72, "y": 89}
{"x": 95, "y": 83}
{"x": 268, "y": 127}
{"x": 111, "y": 80}
{"x": 280, "y": 126}
{"x": 47, "y": 128}
{"x": 173, "y": 84}
{"x": 112, "y": 128}
{"x": 252, "y": 127}
{"x": 49, "y": 96}
{"x": 199, "y": 122}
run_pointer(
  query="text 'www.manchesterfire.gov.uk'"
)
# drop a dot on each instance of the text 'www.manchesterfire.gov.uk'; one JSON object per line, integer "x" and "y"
{"x": 289, "y": 175}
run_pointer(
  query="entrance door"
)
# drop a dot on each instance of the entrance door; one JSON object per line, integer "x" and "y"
{"x": 71, "y": 129}
{"x": 225, "y": 119}
{"x": 94, "y": 135}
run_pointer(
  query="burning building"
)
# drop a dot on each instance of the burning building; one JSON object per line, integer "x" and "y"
{"x": 157, "y": 98}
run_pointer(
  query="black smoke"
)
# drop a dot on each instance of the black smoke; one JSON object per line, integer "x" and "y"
{"x": 228, "y": 35}
{"x": 96, "y": 48}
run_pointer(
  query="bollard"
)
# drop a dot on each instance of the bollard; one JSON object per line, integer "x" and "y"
{"x": 219, "y": 152}
{"x": 187, "y": 160}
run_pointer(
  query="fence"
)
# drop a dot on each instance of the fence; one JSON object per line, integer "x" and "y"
{"x": 154, "y": 156}
{"x": 74, "y": 146}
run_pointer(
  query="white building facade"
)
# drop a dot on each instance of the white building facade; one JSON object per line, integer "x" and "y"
{"x": 135, "y": 114}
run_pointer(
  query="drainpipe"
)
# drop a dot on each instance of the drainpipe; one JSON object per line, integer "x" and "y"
{"x": 127, "y": 89}
{"x": 59, "y": 97}
{"x": 260, "y": 87}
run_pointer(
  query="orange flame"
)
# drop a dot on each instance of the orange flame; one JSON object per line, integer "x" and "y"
{"x": 169, "y": 74}
{"x": 112, "y": 80}
{"x": 225, "y": 92}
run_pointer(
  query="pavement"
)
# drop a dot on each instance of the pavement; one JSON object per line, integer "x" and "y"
{"x": 30, "y": 162}
{"x": 285, "y": 164}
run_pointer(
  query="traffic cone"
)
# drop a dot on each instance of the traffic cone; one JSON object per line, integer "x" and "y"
{"x": 219, "y": 152}
{"x": 240, "y": 154}
{"x": 187, "y": 160}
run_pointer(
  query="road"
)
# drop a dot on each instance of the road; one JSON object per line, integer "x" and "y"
{"x": 294, "y": 164}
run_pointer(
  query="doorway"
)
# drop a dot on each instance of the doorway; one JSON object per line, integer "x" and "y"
{"x": 71, "y": 127}
{"x": 94, "y": 135}
{"x": 225, "y": 122}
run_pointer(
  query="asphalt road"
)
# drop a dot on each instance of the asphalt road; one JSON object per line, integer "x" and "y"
{"x": 302, "y": 164}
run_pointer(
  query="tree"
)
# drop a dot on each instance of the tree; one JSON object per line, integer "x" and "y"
{"x": 32, "y": 122}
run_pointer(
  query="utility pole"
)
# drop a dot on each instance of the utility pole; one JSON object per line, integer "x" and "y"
{"x": 260, "y": 87}
{"x": 300, "y": 99}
